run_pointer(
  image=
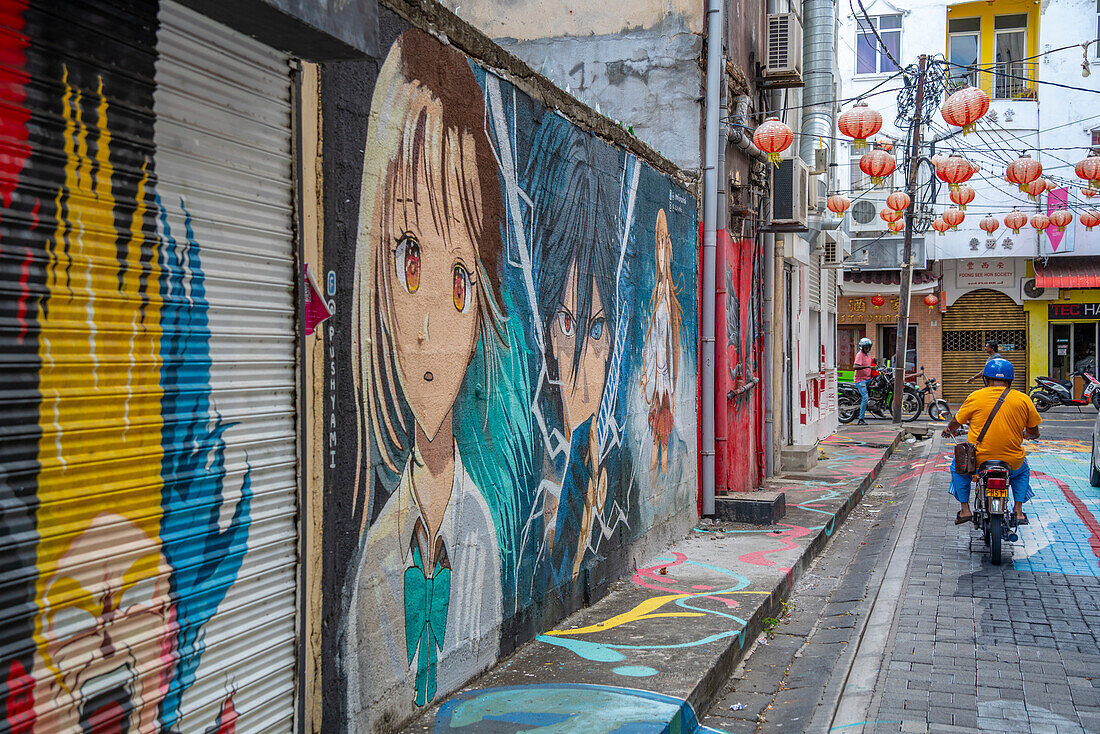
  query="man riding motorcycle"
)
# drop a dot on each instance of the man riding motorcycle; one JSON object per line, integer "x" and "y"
{"x": 862, "y": 375}
{"x": 1016, "y": 420}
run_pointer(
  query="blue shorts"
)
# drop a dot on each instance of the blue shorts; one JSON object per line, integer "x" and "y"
{"x": 1019, "y": 480}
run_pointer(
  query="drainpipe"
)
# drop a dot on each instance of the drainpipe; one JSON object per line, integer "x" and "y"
{"x": 739, "y": 129}
{"x": 715, "y": 67}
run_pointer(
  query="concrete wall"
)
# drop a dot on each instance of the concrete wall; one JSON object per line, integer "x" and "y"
{"x": 637, "y": 62}
{"x": 510, "y": 387}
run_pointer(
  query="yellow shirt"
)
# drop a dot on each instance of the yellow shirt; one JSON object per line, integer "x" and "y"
{"x": 1004, "y": 438}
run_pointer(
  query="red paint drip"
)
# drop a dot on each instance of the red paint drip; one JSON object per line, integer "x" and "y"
{"x": 20, "y": 714}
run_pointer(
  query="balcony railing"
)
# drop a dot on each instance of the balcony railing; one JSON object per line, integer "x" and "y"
{"x": 1012, "y": 80}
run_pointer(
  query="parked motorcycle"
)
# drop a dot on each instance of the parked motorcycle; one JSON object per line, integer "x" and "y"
{"x": 1049, "y": 392}
{"x": 992, "y": 507}
{"x": 881, "y": 397}
{"x": 938, "y": 409}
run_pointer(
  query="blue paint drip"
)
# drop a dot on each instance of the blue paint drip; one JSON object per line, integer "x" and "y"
{"x": 204, "y": 559}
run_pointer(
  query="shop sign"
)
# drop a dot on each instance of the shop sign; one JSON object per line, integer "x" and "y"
{"x": 995, "y": 273}
{"x": 1073, "y": 311}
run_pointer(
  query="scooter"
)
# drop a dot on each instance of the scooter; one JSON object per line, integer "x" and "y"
{"x": 880, "y": 390}
{"x": 1049, "y": 392}
{"x": 992, "y": 507}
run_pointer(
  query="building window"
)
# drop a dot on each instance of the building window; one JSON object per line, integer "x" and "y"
{"x": 888, "y": 346}
{"x": 860, "y": 181}
{"x": 1010, "y": 44}
{"x": 962, "y": 50}
{"x": 870, "y": 58}
{"x": 1095, "y": 141}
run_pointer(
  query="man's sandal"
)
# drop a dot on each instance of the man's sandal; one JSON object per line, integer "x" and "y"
{"x": 959, "y": 519}
{"x": 1020, "y": 520}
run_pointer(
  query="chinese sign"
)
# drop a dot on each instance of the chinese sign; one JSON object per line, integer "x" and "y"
{"x": 994, "y": 273}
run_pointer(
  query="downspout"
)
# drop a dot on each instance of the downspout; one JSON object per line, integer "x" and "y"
{"x": 721, "y": 325}
{"x": 707, "y": 399}
{"x": 739, "y": 133}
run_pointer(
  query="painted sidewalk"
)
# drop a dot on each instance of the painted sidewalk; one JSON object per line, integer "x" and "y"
{"x": 658, "y": 647}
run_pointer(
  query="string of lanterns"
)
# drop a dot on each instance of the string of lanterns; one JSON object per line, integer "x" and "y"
{"x": 963, "y": 109}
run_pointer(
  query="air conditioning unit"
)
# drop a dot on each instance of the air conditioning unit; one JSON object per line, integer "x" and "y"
{"x": 790, "y": 195}
{"x": 864, "y": 219}
{"x": 1029, "y": 292}
{"x": 784, "y": 51}
{"x": 838, "y": 246}
{"x": 886, "y": 253}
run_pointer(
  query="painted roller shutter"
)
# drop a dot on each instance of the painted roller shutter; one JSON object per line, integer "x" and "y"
{"x": 147, "y": 373}
{"x": 972, "y": 320}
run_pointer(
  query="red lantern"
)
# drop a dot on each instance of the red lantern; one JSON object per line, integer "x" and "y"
{"x": 931, "y": 300}
{"x": 1050, "y": 184}
{"x": 1040, "y": 221}
{"x": 878, "y": 164}
{"x": 898, "y": 201}
{"x": 877, "y": 300}
{"x": 897, "y": 226}
{"x": 989, "y": 223}
{"x": 940, "y": 226}
{"x": 962, "y": 195}
{"x": 1088, "y": 193}
{"x": 1090, "y": 219}
{"x": 953, "y": 217}
{"x": 1089, "y": 169}
{"x": 859, "y": 123}
{"x": 773, "y": 137}
{"x": 889, "y": 215}
{"x": 1015, "y": 220}
{"x": 955, "y": 170}
{"x": 838, "y": 204}
{"x": 965, "y": 107}
{"x": 885, "y": 144}
{"x": 1035, "y": 188}
{"x": 938, "y": 159}
{"x": 1023, "y": 171}
{"x": 1061, "y": 219}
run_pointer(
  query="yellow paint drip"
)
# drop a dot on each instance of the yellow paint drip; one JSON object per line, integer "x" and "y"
{"x": 100, "y": 445}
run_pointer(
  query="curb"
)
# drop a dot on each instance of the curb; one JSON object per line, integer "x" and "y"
{"x": 705, "y": 692}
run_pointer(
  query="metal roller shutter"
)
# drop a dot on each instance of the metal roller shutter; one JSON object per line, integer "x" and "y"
{"x": 972, "y": 320}
{"x": 148, "y": 473}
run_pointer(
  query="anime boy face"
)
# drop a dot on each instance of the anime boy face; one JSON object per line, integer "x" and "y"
{"x": 582, "y": 377}
{"x": 109, "y": 628}
{"x": 434, "y": 289}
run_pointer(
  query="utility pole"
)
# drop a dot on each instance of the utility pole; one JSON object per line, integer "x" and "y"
{"x": 907, "y": 257}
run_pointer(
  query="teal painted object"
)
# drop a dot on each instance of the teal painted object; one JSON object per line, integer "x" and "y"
{"x": 426, "y": 602}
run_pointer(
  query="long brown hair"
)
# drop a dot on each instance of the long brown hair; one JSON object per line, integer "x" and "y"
{"x": 664, "y": 274}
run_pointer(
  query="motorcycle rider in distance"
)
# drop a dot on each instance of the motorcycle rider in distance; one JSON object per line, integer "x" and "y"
{"x": 862, "y": 376}
{"x": 992, "y": 348}
{"x": 1016, "y": 420}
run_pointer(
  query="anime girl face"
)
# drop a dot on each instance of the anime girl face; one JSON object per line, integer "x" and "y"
{"x": 582, "y": 375}
{"x": 426, "y": 259}
{"x": 109, "y": 628}
{"x": 433, "y": 287}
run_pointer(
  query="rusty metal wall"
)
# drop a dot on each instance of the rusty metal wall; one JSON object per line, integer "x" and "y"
{"x": 147, "y": 449}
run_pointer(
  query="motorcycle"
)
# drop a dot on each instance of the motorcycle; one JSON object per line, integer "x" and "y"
{"x": 881, "y": 397}
{"x": 938, "y": 409}
{"x": 1049, "y": 392}
{"x": 992, "y": 507}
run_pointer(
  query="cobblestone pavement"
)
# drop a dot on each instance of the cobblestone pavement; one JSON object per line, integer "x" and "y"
{"x": 971, "y": 646}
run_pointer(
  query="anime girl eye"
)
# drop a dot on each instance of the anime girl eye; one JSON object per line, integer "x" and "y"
{"x": 461, "y": 288}
{"x": 406, "y": 261}
{"x": 566, "y": 323}
{"x": 595, "y": 331}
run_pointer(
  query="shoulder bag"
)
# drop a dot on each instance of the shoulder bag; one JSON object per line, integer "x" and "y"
{"x": 966, "y": 454}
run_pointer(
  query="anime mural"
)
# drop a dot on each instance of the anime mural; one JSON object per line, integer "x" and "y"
{"x": 515, "y": 360}
{"x": 125, "y": 511}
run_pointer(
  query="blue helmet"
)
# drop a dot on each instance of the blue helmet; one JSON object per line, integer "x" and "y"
{"x": 999, "y": 369}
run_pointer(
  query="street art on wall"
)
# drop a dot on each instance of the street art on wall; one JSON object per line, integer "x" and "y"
{"x": 125, "y": 524}
{"x": 519, "y": 333}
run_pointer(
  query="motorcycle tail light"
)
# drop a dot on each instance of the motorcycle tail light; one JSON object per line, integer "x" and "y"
{"x": 996, "y": 483}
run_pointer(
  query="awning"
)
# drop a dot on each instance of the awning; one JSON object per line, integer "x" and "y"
{"x": 1068, "y": 272}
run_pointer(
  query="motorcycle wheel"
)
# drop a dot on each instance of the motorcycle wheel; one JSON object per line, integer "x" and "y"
{"x": 1042, "y": 401}
{"x": 995, "y": 531}
{"x": 847, "y": 410}
{"x": 911, "y": 406}
{"x": 938, "y": 410}
{"x": 1096, "y": 400}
